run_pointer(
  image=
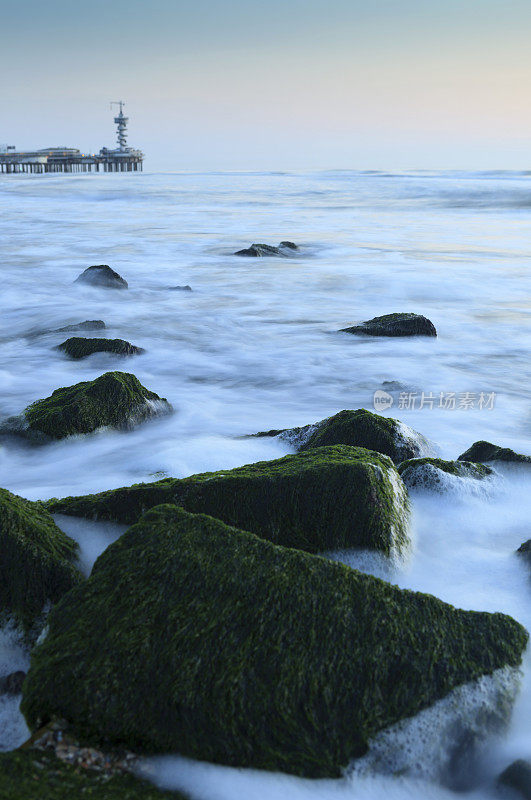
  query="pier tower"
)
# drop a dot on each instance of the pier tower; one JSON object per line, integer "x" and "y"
{"x": 121, "y": 125}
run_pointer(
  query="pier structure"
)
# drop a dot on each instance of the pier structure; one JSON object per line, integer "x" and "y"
{"x": 69, "y": 159}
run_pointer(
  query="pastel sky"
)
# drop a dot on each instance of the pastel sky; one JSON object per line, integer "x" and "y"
{"x": 282, "y": 84}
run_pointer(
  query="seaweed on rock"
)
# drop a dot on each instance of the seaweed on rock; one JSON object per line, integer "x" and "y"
{"x": 323, "y": 499}
{"x": 429, "y": 473}
{"x": 81, "y": 347}
{"x": 196, "y": 637}
{"x": 485, "y": 451}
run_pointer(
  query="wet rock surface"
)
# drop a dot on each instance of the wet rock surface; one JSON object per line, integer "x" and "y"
{"x": 402, "y": 324}
{"x": 103, "y": 276}
{"x": 260, "y": 250}
{"x": 486, "y": 451}
{"x": 79, "y": 347}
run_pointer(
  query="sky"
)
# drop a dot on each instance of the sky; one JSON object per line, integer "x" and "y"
{"x": 282, "y": 84}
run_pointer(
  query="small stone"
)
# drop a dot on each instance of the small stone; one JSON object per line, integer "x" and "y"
{"x": 103, "y": 276}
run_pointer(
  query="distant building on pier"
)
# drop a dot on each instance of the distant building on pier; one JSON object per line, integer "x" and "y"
{"x": 69, "y": 159}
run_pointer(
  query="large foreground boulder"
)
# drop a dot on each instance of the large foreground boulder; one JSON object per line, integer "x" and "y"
{"x": 37, "y": 561}
{"x": 517, "y": 777}
{"x": 194, "y": 637}
{"x": 486, "y": 452}
{"x": 360, "y": 428}
{"x": 324, "y": 499}
{"x": 115, "y": 400}
{"x": 437, "y": 475}
{"x": 394, "y": 325}
{"x": 80, "y": 347}
{"x": 102, "y": 275}
{"x": 31, "y": 774}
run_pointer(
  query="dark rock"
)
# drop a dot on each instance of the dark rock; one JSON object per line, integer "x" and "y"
{"x": 78, "y": 347}
{"x": 524, "y": 551}
{"x": 518, "y": 778}
{"x": 261, "y": 250}
{"x": 431, "y": 473}
{"x": 289, "y": 245}
{"x": 37, "y": 561}
{"x": 180, "y": 288}
{"x": 360, "y": 428}
{"x": 194, "y": 637}
{"x": 485, "y": 451}
{"x": 394, "y": 325}
{"x": 102, "y": 275}
{"x": 12, "y": 684}
{"x": 115, "y": 399}
{"x": 88, "y": 325}
{"x": 324, "y": 499}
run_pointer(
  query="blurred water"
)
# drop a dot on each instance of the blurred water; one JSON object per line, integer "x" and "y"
{"x": 255, "y": 346}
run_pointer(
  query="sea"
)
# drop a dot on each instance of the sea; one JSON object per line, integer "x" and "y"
{"x": 256, "y": 346}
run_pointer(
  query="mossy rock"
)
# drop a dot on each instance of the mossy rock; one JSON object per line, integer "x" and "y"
{"x": 195, "y": 637}
{"x": 37, "y": 563}
{"x": 394, "y": 325}
{"x": 430, "y": 473}
{"x": 323, "y": 499}
{"x": 115, "y": 399}
{"x": 102, "y": 275}
{"x": 79, "y": 347}
{"x": 39, "y": 775}
{"x": 485, "y": 451}
{"x": 360, "y": 428}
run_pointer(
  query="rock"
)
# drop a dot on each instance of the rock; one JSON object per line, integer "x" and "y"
{"x": 12, "y": 684}
{"x": 436, "y": 474}
{"x": 518, "y": 778}
{"x": 37, "y": 565}
{"x": 323, "y": 499}
{"x": 394, "y": 325}
{"x": 102, "y": 275}
{"x": 115, "y": 400}
{"x": 197, "y": 638}
{"x": 261, "y": 250}
{"x": 88, "y": 325}
{"x": 524, "y": 551}
{"x": 485, "y": 451}
{"x": 360, "y": 428}
{"x": 35, "y": 774}
{"x": 180, "y": 288}
{"x": 79, "y": 347}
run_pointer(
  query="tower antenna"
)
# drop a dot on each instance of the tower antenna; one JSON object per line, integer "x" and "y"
{"x": 121, "y": 124}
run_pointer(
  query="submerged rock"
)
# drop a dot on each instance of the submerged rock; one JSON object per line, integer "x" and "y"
{"x": 436, "y": 474}
{"x": 37, "y": 563}
{"x": 88, "y": 325}
{"x": 328, "y": 498}
{"x": 485, "y": 451}
{"x": 195, "y": 637}
{"x": 518, "y": 778}
{"x": 260, "y": 250}
{"x": 394, "y": 325}
{"x": 360, "y": 428}
{"x": 102, "y": 275}
{"x": 180, "y": 288}
{"x": 36, "y": 774}
{"x": 524, "y": 551}
{"x": 12, "y": 684}
{"x": 79, "y": 347}
{"x": 115, "y": 399}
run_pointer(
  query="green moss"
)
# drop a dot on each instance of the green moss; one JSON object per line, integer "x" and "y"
{"x": 40, "y": 775}
{"x": 37, "y": 560}
{"x": 194, "y": 637}
{"x": 403, "y": 324}
{"x": 360, "y": 428}
{"x": 422, "y": 472}
{"x": 115, "y": 399}
{"x": 485, "y": 451}
{"x": 80, "y": 347}
{"x": 322, "y": 499}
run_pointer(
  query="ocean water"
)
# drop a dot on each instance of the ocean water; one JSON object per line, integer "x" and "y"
{"x": 255, "y": 346}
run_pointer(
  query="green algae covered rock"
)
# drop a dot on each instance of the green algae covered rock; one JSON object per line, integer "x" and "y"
{"x": 436, "y": 474}
{"x": 31, "y": 774}
{"x": 80, "y": 347}
{"x": 360, "y": 428}
{"x": 115, "y": 399}
{"x": 323, "y": 499}
{"x": 36, "y": 560}
{"x": 485, "y": 451}
{"x": 403, "y": 324}
{"x": 194, "y": 637}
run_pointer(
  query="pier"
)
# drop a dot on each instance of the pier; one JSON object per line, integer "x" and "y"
{"x": 71, "y": 160}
